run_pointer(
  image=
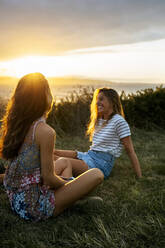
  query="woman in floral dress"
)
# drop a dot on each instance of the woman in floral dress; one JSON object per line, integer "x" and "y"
{"x": 35, "y": 192}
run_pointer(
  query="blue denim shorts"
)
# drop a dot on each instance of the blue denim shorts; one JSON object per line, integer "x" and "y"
{"x": 96, "y": 159}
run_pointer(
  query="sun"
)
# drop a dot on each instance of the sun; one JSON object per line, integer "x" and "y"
{"x": 48, "y": 65}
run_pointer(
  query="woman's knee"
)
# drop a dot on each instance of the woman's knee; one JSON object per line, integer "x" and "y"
{"x": 63, "y": 161}
{"x": 62, "y": 164}
{"x": 98, "y": 175}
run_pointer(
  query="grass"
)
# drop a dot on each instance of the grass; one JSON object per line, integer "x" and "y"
{"x": 132, "y": 215}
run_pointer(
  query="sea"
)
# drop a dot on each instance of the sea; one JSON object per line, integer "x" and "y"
{"x": 64, "y": 87}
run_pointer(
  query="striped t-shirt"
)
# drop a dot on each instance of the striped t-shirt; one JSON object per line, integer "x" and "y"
{"x": 107, "y": 138}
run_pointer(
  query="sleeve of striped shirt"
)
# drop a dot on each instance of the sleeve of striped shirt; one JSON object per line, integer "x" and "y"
{"x": 122, "y": 128}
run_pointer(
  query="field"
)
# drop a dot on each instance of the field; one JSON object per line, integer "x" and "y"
{"x": 132, "y": 215}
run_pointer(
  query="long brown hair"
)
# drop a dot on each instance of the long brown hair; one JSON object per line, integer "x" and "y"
{"x": 28, "y": 103}
{"x": 113, "y": 98}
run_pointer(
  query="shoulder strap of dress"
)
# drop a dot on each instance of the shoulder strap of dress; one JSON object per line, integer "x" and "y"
{"x": 35, "y": 125}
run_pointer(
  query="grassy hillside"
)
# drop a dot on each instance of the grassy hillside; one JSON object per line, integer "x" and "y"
{"x": 132, "y": 215}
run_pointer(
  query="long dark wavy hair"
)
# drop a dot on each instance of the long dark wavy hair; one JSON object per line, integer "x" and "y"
{"x": 113, "y": 98}
{"x": 28, "y": 103}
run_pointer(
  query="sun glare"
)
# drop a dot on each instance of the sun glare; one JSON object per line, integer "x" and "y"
{"x": 141, "y": 62}
{"x": 50, "y": 66}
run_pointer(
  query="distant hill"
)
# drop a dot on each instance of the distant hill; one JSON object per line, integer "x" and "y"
{"x": 57, "y": 81}
{"x": 76, "y": 81}
{"x": 63, "y": 86}
{"x": 60, "y": 86}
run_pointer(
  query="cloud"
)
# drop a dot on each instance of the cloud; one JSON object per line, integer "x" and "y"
{"x": 47, "y": 27}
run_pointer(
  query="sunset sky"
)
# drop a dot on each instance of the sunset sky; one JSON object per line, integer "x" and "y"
{"x": 120, "y": 40}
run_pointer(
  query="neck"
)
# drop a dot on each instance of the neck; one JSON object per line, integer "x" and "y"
{"x": 107, "y": 116}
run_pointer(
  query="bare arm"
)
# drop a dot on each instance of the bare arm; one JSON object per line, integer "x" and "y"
{"x": 127, "y": 142}
{"x": 45, "y": 137}
{"x": 65, "y": 153}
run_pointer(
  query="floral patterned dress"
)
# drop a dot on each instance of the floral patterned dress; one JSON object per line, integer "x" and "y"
{"x": 28, "y": 197}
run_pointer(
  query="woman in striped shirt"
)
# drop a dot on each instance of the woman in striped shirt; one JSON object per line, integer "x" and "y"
{"x": 108, "y": 131}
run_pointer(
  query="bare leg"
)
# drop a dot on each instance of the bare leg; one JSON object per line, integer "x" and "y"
{"x": 78, "y": 166}
{"x": 63, "y": 167}
{"x": 68, "y": 194}
{"x": 71, "y": 165}
{"x": 1, "y": 178}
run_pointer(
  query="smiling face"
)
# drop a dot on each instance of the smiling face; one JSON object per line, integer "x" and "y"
{"x": 104, "y": 106}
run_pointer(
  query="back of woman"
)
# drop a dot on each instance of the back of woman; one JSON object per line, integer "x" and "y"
{"x": 25, "y": 168}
